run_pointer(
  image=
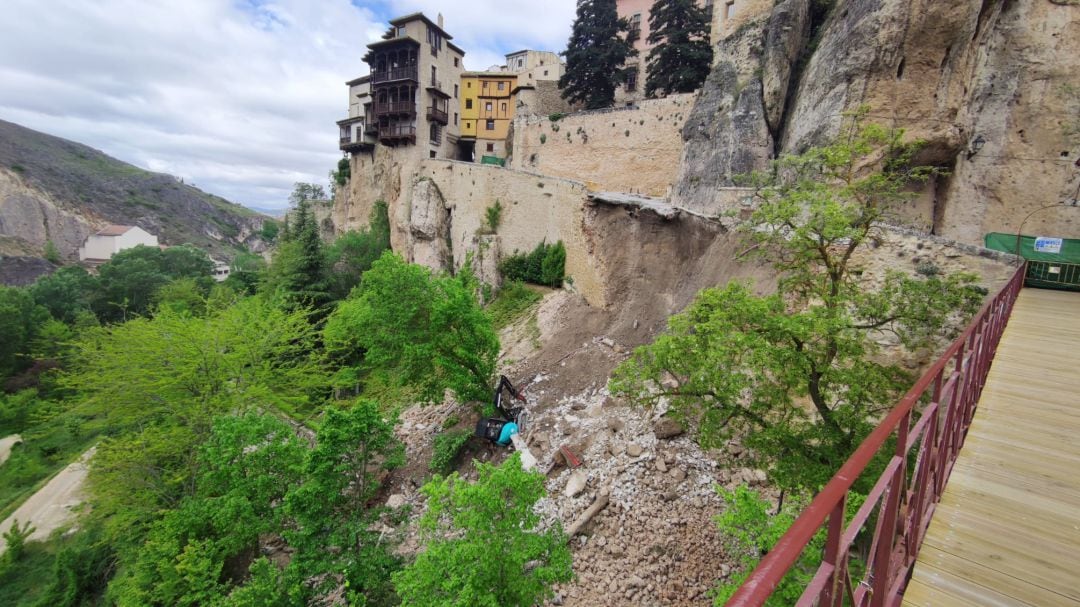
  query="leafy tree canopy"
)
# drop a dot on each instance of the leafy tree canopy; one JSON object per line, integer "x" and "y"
{"x": 797, "y": 373}
{"x": 595, "y": 54}
{"x": 682, "y": 56}
{"x": 420, "y": 329}
{"x": 485, "y": 547}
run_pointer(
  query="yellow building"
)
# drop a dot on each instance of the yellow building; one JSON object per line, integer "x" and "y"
{"x": 487, "y": 109}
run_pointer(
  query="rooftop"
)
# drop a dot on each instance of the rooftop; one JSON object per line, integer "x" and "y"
{"x": 113, "y": 230}
{"x": 422, "y": 17}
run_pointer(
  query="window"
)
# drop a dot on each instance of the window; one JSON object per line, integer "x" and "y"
{"x": 468, "y": 124}
{"x": 484, "y": 85}
{"x": 401, "y": 31}
{"x": 521, "y": 63}
{"x": 491, "y": 147}
{"x": 434, "y": 76}
{"x": 504, "y": 108}
{"x": 635, "y": 25}
{"x": 490, "y": 125}
{"x": 631, "y": 80}
{"x": 729, "y": 10}
{"x": 455, "y": 91}
{"x": 468, "y": 104}
{"x": 468, "y": 85}
{"x": 545, "y": 72}
{"x": 455, "y": 118}
{"x": 502, "y": 85}
{"x": 436, "y": 134}
{"x": 456, "y": 60}
{"x": 431, "y": 153}
{"x": 434, "y": 39}
{"x": 487, "y": 106}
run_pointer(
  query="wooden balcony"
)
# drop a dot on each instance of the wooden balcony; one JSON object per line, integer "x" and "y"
{"x": 437, "y": 115}
{"x": 396, "y": 108}
{"x": 397, "y": 134}
{"x": 396, "y": 74}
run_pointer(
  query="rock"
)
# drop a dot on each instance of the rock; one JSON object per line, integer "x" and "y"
{"x": 660, "y": 465}
{"x": 616, "y": 449}
{"x": 576, "y": 483}
{"x": 395, "y": 501}
{"x": 667, "y": 428}
{"x": 634, "y": 450}
{"x": 608, "y": 342}
{"x": 678, "y": 474}
{"x": 615, "y": 424}
{"x": 671, "y": 495}
{"x": 557, "y": 599}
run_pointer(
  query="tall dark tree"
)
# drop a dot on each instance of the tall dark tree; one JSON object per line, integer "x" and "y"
{"x": 599, "y": 46}
{"x": 298, "y": 271}
{"x": 680, "y": 60}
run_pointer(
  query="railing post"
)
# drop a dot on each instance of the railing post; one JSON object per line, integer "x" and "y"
{"x": 832, "y": 595}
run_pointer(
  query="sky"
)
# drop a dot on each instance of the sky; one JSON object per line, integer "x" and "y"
{"x": 237, "y": 97}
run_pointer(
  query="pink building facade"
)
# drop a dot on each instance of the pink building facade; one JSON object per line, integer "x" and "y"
{"x": 637, "y": 13}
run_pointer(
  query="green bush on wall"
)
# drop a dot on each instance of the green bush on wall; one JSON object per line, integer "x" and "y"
{"x": 545, "y": 265}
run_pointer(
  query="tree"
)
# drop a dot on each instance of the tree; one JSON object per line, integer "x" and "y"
{"x": 306, "y": 192}
{"x": 797, "y": 373}
{"x": 332, "y": 524}
{"x": 20, "y": 318}
{"x": 184, "y": 296}
{"x": 245, "y": 470}
{"x": 65, "y": 293}
{"x": 130, "y": 280}
{"x": 269, "y": 231}
{"x": 419, "y": 329}
{"x": 485, "y": 548}
{"x": 681, "y": 56}
{"x": 353, "y": 252}
{"x": 600, "y": 43}
{"x": 51, "y": 253}
{"x": 298, "y": 271}
{"x": 246, "y": 272}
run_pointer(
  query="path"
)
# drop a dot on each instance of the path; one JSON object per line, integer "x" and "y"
{"x": 6, "y": 444}
{"x": 53, "y": 506}
{"x": 1007, "y": 530}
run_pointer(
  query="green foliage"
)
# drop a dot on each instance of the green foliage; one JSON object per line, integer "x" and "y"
{"x": 681, "y": 55}
{"x": 557, "y": 116}
{"x": 245, "y": 470}
{"x": 331, "y": 529}
{"x": 246, "y": 273}
{"x": 513, "y": 300}
{"x": 15, "y": 538}
{"x": 342, "y": 174}
{"x": 51, "y": 253}
{"x": 749, "y": 531}
{"x": 15, "y": 411}
{"x": 183, "y": 296}
{"x": 19, "y": 319}
{"x": 447, "y": 448}
{"x": 79, "y": 571}
{"x": 306, "y": 192}
{"x": 595, "y": 54}
{"x": 484, "y": 547}
{"x": 65, "y": 293}
{"x": 543, "y": 138}
{"x": 422, "y": 330}
{"x": 269, "y": 231}
{"x": 129, "y": 281}
{"x": 298, "y": 273}
{"x": 492, "y": 217}
{"x": 353, "y": 253}
{"x": 545, "y": 265}
{"x": 797, "y": 373}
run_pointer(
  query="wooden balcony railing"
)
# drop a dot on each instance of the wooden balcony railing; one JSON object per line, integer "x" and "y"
{"x": 437, "y": 115}
{"x": 398, "y": 73}
{"x": 904, "y": 499}
{"x": 397, "y": 132}
{"x": 395, "y": 107}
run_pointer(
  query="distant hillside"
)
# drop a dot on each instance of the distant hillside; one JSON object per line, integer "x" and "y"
{"x": 59, "y": 190}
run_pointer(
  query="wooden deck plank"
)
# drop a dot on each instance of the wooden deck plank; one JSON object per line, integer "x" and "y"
{"x": 1007, "y": 530}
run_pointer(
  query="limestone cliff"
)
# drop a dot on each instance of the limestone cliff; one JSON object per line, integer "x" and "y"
{"x": 1001, "y": 71}
{"x": 56, "y": 190}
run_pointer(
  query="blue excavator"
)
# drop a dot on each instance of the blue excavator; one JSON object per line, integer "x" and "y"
{"x": 501, "y": 430}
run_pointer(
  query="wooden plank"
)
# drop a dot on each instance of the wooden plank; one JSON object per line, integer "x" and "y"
{"x": 1006, "y": 531}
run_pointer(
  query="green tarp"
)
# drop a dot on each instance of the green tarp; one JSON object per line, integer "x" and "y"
{"x": 1069, "y": 252}
{"x": 1053, "y": 263}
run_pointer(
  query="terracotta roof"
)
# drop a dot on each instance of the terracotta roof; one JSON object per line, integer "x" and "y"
{"x": 113, "y": 230}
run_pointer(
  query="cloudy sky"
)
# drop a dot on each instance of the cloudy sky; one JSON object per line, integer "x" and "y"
{"x": 238, "y": 97}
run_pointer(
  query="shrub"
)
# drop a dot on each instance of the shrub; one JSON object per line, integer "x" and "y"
{"x": 52, "y": 254}
{"x": 493, "y": 215}
{"x": 448, "y": 447}
{"x": 545, "y": 265}
{"x": 16, "y": 540}
{"x": 513, "y": 299}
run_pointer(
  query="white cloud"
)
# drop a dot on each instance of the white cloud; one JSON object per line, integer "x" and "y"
{"x": 236, "y": 96}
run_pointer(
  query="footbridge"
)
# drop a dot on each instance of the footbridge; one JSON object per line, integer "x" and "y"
{"x": 980, "y": 502}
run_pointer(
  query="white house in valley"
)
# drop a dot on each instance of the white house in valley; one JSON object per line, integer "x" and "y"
{"x": 101, "y": 246}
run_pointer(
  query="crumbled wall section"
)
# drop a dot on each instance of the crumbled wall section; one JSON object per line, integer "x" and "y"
{"x": 535, "y": 209}
{"x": 628, "y": 149}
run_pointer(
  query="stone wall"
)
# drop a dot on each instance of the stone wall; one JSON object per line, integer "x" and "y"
{"x": 446, "y": 206}
{"x": 627, "y": 149}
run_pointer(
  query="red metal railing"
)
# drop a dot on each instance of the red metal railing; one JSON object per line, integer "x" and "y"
{"x": 904, "y": 507}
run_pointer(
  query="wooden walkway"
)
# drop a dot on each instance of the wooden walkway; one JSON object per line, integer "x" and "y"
{"x": 1007, "y": 530}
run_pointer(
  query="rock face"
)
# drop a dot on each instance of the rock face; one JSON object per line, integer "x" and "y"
{"x": 56, "y": 190}
{"x": 946, "y": 72}
{"x": 429, "y": 227}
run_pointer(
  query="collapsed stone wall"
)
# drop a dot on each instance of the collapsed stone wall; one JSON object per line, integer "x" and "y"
{"x": 625, "y": 149}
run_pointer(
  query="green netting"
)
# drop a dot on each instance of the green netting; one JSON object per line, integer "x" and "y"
{"x": 1070, "y": 248}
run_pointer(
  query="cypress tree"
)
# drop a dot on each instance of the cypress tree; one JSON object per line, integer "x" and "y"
{"x": 595, "y": 54}
{"x": 680, "y": 61}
